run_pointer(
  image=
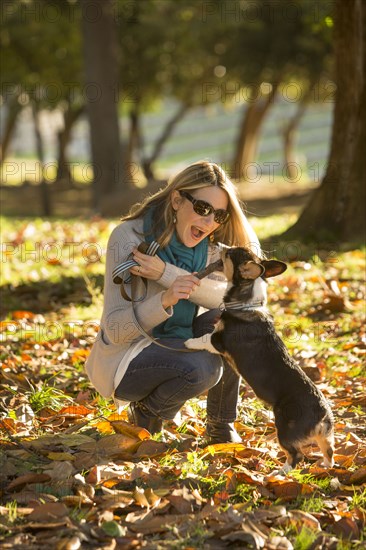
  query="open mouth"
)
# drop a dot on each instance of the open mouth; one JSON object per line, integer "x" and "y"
{"x": 197, "y": 233}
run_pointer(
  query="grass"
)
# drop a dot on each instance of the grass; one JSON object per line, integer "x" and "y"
{"x": 43, "y": 395}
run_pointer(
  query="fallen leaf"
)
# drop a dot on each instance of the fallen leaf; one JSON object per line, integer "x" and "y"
{"x": 75, "y": 410}
{"x": 21, "y": 481}
{"x": 49, "y": 511}
{"x": 122, "y": 427}
{"x": 347, "y": 528}
{"x": 151, "y": 448}
{"x": 113, "y": 445}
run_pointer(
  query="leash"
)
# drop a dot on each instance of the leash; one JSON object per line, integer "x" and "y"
{"x": 117, "y": 276}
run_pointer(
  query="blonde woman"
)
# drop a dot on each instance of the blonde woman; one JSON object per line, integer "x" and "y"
{"x": 196, "y": 211}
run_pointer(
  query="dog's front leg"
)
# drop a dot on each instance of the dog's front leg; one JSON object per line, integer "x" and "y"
{"x": 201, "y": 343}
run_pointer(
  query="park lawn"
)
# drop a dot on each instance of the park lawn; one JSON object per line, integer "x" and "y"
{"x": 73, "y": 474}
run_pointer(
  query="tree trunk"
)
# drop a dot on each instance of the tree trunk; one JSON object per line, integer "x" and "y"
{"x": 247, "y": 143}
{"x": 289, "y": 137}
{"x": 14, "y": 109}
{"x": 100, "y": 45}
{"x": 336, "y": 208}
{"x": 43, "y": 186}
{"x": 135, "y": 143}
{"x": 165, "y": 135}
{"x": 70, "y": 116}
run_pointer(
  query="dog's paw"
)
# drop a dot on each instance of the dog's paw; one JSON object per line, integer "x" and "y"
{"x": 194, "y": 343}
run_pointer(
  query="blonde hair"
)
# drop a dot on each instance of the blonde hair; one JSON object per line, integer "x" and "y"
{"x": 237, "y": 231}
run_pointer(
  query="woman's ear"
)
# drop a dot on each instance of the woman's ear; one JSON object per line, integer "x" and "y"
{"x": 273, "y": 268}
{"x": 175, "y": 200}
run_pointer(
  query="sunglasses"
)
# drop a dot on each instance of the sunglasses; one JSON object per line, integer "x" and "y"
{"x": 203, "y": 208}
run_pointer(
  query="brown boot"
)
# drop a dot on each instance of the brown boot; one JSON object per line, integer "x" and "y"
{"x": 139, "y": 415}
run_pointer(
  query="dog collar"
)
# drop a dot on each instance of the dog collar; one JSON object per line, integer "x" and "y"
{"x": 239, "y": 306}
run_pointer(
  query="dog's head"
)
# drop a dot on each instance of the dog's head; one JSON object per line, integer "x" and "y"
{"x": 245, "y": 271}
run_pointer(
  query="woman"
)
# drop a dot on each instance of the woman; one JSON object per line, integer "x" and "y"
{"x": 197, "y": 210}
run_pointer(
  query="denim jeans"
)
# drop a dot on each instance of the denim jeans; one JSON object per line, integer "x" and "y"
{"x": 163, "y": 380}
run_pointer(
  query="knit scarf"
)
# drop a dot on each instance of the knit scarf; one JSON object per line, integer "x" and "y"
{"x": 179, "y": 325}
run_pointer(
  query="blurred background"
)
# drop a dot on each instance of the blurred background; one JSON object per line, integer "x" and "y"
{"x": 102, "y": 100}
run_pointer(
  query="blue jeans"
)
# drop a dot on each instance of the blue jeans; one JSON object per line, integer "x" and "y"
{"x": 163, "y": 380}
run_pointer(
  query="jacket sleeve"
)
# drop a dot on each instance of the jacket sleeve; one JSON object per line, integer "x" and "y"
{"x": 210, "y": 293}
{"x": 118, "y": 321}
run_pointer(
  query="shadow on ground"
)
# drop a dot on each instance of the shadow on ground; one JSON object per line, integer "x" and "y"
{"x": 46, "y": 296}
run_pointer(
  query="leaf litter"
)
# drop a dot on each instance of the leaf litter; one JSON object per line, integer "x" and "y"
{"x": 75, "y": 474}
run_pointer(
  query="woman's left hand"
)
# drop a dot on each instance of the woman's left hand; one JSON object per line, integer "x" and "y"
{"x": 150, "y": 267}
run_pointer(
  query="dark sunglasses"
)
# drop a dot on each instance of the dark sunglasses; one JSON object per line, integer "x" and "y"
{"x": 203, "y": 208}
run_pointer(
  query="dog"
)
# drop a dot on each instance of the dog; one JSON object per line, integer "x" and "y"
{"x": 246, "y": 337}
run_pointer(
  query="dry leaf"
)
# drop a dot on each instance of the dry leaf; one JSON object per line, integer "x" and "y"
{"x": 114, "y": 445}
{"x": 48, "y": 512}
{"x": 21, "y": 481}
{"x": 122, "y": 427}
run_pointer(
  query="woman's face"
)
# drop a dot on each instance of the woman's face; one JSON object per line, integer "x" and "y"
{"x": 191, "y": 228}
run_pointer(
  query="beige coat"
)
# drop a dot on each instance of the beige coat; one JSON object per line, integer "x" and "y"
{"x": 118, "y": 330}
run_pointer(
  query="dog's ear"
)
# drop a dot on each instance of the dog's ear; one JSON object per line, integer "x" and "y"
{"x": 272, "y": 268}
{"x": 251, "y": 270}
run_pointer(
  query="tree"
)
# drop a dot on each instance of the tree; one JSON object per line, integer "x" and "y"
{"x": 336, "y": 208}
{"x": 161, "y": 60}
{"x": 101, "y": 52}
{"x": 272, "y": 44}
{"x": 43, "y": 71}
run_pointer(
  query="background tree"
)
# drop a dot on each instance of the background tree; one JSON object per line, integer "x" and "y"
{"x": 268, "y": 46}
{"x": 336, "y": 208}
{"x": 161, "y": 62}
{"x": 45, "y": 69}
{"x": 101, "y": 57}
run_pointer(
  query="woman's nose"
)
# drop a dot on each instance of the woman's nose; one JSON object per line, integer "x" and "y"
{"x": 209, "y": 220}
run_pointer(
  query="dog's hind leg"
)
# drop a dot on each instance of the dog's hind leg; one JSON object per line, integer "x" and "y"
{"x": 326, "y": 445}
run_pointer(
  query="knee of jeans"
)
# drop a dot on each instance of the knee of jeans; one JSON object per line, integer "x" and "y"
{"x": 206, "y": 372}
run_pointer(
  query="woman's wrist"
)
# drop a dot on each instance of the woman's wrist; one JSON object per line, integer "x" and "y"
{"x": 164, "y": 301}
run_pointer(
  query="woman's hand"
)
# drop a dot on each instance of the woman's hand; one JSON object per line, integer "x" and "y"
{"x": 181, "y": 289}
{"x": 150, "y": 267}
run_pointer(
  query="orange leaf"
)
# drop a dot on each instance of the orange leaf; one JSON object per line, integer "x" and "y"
{"x": 221, "y": 497}
{"x": 224, "y": 448}
{"x": 19, "y": 314}
{"x": 104, "y": 427}
{"x": 8, "y": 424}
{"x": 344, "y": 460}
{"x": 122, "y": 427}
{"x": 75, "y": 410}
{"x": 78, "y": 355}
{"x": 289, "y": 489}
{"x": 116, "y": 416}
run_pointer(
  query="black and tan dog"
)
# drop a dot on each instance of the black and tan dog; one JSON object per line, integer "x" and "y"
{"x": 246, "y": 337}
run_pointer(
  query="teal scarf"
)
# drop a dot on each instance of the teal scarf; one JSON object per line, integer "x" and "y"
{"x": 190, "y": 259}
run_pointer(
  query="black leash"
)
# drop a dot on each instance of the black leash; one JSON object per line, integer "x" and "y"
{"x": 117, "y": 276}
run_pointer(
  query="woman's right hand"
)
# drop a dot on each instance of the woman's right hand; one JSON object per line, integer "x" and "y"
{"x": 181, "y": 289}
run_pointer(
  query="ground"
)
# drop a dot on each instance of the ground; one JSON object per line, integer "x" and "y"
{"x": 75, "y": 474}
